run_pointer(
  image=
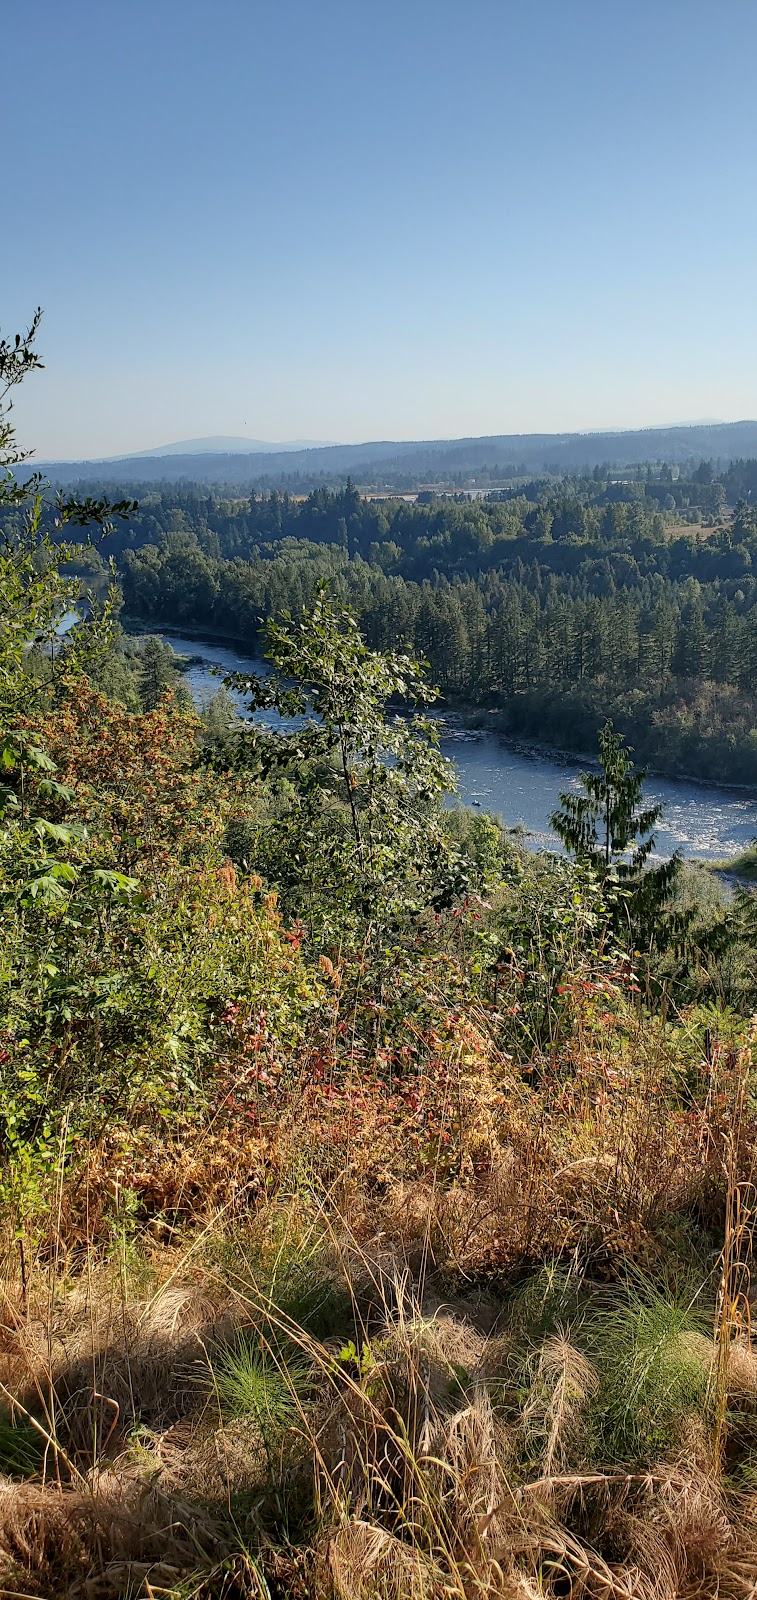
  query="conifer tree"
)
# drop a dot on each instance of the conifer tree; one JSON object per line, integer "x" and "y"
{"x": 609, "y": 829}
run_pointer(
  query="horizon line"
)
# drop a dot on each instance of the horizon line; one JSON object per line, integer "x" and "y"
{"x": 295, "y": 449}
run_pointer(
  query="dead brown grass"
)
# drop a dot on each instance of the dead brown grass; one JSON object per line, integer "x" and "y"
{"x": 404, "y": 1471}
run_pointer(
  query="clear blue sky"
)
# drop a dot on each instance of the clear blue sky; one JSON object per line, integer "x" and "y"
{"x": 355, "y": 219}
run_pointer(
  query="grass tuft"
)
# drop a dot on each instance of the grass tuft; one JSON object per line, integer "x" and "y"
{"x": 655, "y": 1358}
{"x": 22, "y": 1448}
{"x": 253, "y": 1379}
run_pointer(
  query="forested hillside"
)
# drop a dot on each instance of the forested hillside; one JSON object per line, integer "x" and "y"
{"x": 376, "y": 1199}
{"x": 554, "y": 605}
{"x": 397, "y": 464}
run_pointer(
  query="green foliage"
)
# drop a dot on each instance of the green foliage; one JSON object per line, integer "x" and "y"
{"x": 602, "y": 825}
{"x": 545, "y": 1302}
{"x": 557, "y": 603}
{"x": 47, "y": 879}
{"x": 297, "y": 1287}
{"x": 609, "y": 831}
{"x": 651, "y": 1354}
{"x": 268, "y": 1384}
{"x": 156, "y": 671}
{"x": 743, "y": 865}
{"x": 309, "y": 1296}
{"x": 221, "y": 728}
{"x": 18, "y": 358}
{"x": 491, "y": 853}
{"x": 654, "y": 1352}
{"x": 689, "y": 942}
{"x": 550, "y": 927}
{"x": 359, "y": 846}
{"x": 22, "y": 1447}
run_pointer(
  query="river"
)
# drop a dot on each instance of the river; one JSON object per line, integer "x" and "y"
{"x": 522, "y": 785}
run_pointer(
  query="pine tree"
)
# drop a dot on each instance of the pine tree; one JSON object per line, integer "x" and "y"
{"x": 609, "y": 829}
{"x": 602, "y": 824}
{"x": 156, "y": 672}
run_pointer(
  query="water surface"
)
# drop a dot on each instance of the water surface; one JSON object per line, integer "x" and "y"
{"x": 522, "y": 785}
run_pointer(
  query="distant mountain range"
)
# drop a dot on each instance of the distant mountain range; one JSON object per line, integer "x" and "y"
{"x": 220, "y": 445}
{"x": 389, "y": 463}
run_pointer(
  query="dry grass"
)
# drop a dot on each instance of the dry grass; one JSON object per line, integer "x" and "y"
{"x": 406, "y": 1460}
{"x": 460, "y": 1323}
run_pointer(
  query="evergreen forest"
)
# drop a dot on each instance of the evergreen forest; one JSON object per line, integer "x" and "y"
{"x": 547, "y": 607}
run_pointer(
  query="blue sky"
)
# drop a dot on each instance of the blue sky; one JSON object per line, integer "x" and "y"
{"x": 360, "y": 219}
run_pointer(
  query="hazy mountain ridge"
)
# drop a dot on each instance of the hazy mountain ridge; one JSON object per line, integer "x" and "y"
{"x": 220, "y": 444}
{"x": 379, "y": 461}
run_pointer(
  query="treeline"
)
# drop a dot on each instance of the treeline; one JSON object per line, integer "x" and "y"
{"x": 677, "y": 671}
{"x": 551, "y": 606}
{"x": 585, "y": 518}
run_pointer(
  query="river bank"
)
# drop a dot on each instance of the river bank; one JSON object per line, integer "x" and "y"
{"x": 494, "y": 721}
{"x": 519, "y": 782}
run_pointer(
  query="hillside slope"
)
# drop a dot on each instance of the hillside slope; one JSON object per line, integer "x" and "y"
{"x": 435, "y": 459}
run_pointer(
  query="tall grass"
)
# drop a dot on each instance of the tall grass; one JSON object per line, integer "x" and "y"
{"x": 521, "y": 1368}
